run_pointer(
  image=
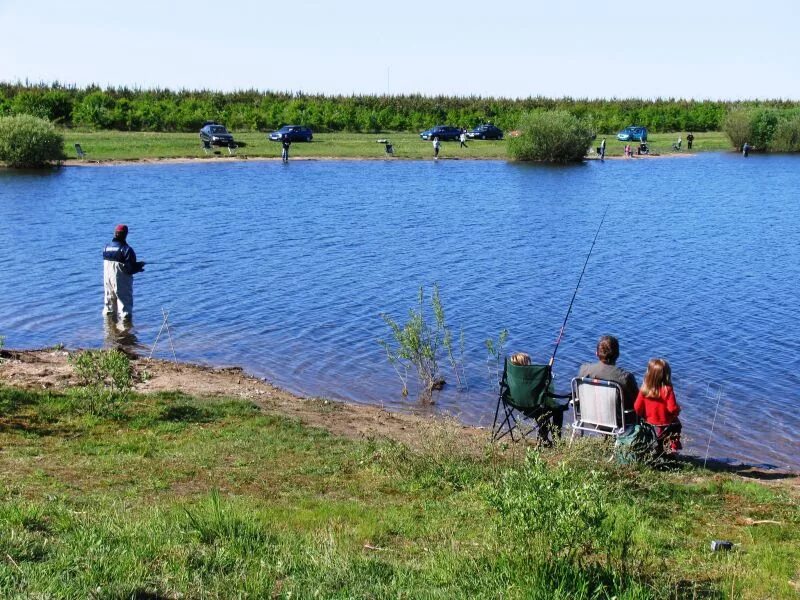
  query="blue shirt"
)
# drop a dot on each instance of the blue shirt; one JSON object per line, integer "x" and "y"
{"x": 120, "y": 252}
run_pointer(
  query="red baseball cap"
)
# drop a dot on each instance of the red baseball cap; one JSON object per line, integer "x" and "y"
{"x": 121, "y": 229}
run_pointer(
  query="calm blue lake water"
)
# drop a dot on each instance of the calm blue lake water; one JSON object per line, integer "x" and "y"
{"x": 285, "y": 269}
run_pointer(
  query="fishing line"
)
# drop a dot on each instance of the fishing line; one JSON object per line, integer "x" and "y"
{"x": 575, "y": 293}
{"x": 714, "y": 421}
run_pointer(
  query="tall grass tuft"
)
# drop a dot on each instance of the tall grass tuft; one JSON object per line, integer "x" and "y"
{"x": 106, "y": 378}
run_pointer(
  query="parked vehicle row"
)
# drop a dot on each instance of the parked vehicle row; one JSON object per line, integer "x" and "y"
{"x": 217, "y": 135}
{"x": 487, "y": 131}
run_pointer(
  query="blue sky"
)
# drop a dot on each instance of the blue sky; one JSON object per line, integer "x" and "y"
{"x": 609, "y": 48}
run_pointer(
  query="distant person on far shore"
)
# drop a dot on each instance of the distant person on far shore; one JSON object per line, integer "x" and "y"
{"x": 463, "y": 139}
{"x": 603, "y": 149}
{"x": 436, "y": 148}
{"x": 628, "y": 153}
{"x": 689, "y": 140}
{"x": 285, "y": 143}
{"x": 746, "y": 149}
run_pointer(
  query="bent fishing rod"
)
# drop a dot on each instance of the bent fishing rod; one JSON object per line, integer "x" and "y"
{"x": 575, "y": 293}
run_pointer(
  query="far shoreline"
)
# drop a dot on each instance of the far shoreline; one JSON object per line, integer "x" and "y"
{"x": 177, "y": 160}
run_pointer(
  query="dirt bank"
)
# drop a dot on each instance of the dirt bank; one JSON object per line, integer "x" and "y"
{"x": 49, "y": 369}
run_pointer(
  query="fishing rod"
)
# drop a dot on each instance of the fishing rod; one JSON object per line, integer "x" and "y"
{"x": 575, "y": 293}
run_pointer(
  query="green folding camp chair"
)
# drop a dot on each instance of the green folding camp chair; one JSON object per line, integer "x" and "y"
{"x": 526, "y": 394}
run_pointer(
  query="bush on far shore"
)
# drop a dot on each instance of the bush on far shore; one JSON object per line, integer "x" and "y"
{"x": 737, "y": 127}
{"x": 764, "y": 128}
{"x": 28, "y": 141}
{"x": 551, "y": 136}
{"x": 787, "y": 135}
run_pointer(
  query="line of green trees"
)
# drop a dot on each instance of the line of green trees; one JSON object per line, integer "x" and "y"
{"x": 129, "y": 109}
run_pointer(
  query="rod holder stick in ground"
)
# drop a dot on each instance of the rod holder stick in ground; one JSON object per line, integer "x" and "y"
{"x": 153, "y": 348}
{"x": 169, "y": 334}
{"x": 575, "y": 293}
{"x": 713, "y": 422}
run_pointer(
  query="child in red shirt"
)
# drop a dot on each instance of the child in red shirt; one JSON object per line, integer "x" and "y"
{"x": 656, "y": 404}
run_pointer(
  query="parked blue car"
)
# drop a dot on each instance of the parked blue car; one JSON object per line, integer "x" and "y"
{"x": 634, "y": 133}
{"x": 487, "y": 131}
{"x": 295, "y": 133}
{"x": 443, "y": 132}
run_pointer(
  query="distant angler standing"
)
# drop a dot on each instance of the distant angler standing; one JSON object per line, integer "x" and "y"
{"x": 119, "y": 267}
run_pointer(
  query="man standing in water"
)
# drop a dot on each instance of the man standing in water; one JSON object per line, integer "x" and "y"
{"x": 606, "y": 368}
{"x": 119, "y": 267}
{"x": 285, "y": 143}
{"x": 603, "y": 149}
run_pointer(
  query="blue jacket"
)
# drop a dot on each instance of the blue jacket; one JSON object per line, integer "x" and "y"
{"x": 122, "y": 253}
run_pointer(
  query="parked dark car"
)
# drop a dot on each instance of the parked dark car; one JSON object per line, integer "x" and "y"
{"x": 443, "y": 132}
{"x": 634, "y": 133}
{"x": 487, "y": 131}
{"x": 215, "y": 134}
{"x": 295, "y": 133}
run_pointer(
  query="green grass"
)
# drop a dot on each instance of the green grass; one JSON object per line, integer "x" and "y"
{"x": 116, "y": 145}
{"x": 172, "y": 496}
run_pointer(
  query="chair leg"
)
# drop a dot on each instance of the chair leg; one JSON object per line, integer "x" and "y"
{"x": 495, "y": 431}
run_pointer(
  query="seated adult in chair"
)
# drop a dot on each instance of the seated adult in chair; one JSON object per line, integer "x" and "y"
{"x": 606, "y": 368}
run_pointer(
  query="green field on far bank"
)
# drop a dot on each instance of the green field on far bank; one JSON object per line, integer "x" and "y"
{"x": 170, "y": 496}
{"x": 117, "y": 145}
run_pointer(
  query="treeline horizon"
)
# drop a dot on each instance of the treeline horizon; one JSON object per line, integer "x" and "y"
{"x": 138, "y": 109}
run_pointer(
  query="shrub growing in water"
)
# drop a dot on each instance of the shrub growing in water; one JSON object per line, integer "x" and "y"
{"x": 28, "y": 141}
{"x": 552, "y": 136}
{"x": 418, "y": 345}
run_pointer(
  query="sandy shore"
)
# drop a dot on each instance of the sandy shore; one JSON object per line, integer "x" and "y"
{"x": 245, "y": 158}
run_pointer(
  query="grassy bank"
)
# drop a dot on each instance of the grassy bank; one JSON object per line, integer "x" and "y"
{"x": 168, "y": 496}
{"x": 115, "y": 145}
